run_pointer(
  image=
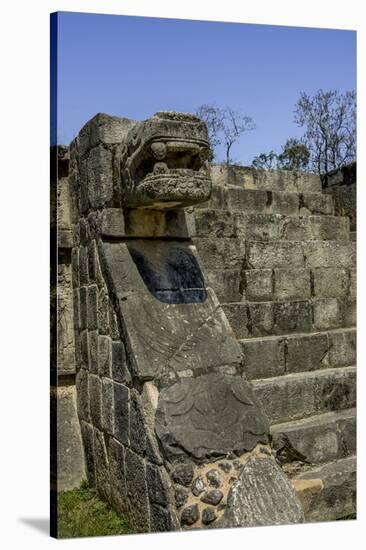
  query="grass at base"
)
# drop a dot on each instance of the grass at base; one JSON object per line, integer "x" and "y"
{"x": 82, "y": 514}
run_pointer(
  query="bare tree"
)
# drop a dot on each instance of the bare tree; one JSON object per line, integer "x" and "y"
{"x": 224, "y": 126}
{"x": 266, "y": 161}
{"x": 329, "y": 119}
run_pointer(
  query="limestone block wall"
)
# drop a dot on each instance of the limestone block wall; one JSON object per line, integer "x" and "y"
{"x": 341, "y": 185}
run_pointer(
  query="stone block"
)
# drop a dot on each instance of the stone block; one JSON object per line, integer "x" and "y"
{"x": 83, "y": 308}
{"x": 120, "y": 372}
{"x": 213, "y": 223}
{"x": 84, "y": 233}
{"x": 330, "y": 282}
{"x": 260, "y": 318}
{"x": 349, "y": 310}
{"x": 329, "y": 228}
{"x": 84, "y": 350}
{"x": 112, "y": 223}
{"x": 283, "y": 203}
{"x": 272, "y": 255}
{"x": 316, "y": 203}
{"x": 105, "y": 356}
{"x": 137, "y": 493}
{"x": 93, "y": 351}
{"x": 75, "y": 267}
{"x": 92, "y": 261}
{"x": 162, "y": 519}
{"x": 82, "y": 395}
{"x": 103, "y": 312}
{"x": 107, "y": 412}
{"x": 292, "y": 284}
{"x": 102, "y": 478}
{"x": 117, "y": 472}
{"x": 113, "y": 323}
{"x": 92, "y": 307}
{"x": 220, "y": 251}
{"x": 121, "y": 413}
{"x": 294, "y": 228}
{"x": 100, "y": 176}
{"x": 236, "y": 314}
{"x": 83, "y": 266}
{"x": 159, "y": 485}
{"x": 247, "y": 200}
{"x": 291, "y": 317}
{"x": 88, "y": 444}
{"x": 347, "y": 433}
{"x": 327, "y": 313}
{"x": 137, "y": 424}
{"x": 258, "y": 227}
{"x": 95, "y": 393}
{"x": 76, "y": 306}
{"x": 103, "y": 128}
{"x": 352, "y": 283}
{"x": 342, "y": 352}
{"x": 306, "y": 352}
{"x": 263, "y": 358}
{"x": 258, "y": 285}
{"x": 329, "y": 254}
{"x": 226, "y": 284}
{"x": 336, "y": 392}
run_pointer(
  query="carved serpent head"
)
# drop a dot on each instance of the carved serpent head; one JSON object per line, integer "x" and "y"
{"x": 163, "y": 163}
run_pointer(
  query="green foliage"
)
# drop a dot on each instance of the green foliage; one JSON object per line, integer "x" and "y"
{"x": 294, "y": 156}
{"x": 82, "y": 514}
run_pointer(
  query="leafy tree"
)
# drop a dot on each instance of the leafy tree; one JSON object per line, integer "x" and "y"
{"x": 329, "y": 119}
{"x": 294, "y": 156}
{"x": 266, "y": 161}
{"x": 224, "y": 126}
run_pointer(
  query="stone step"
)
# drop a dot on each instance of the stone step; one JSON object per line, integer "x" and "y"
{"x": 301, "y": 395}
{"x": 231, "y": 253}
{"x": 255, "y": 319}
{"x": 269, "y": 227}
{"x": 259, "y": 201}
{"x": 263, "y": 285}
{"x": 267, "y": 357}
{"x": 272, "y": 180}
{"x": 336, "y": 498}
{"x": 321, "y": 438}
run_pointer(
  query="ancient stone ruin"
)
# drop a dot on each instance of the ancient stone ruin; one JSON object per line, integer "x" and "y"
{"x": 210, "y": 376}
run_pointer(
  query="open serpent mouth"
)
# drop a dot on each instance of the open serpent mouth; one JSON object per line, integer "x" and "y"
{"x": 169, "y": 169}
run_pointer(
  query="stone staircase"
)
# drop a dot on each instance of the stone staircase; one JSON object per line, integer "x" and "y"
{"x": 283, "y": 267}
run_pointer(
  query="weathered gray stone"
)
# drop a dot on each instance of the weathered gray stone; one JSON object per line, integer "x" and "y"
{"x": 261, "y": 480}
{"x": 213, "y": 497}
{"x": 237, "y": 315}
{"x": 138, "y": 433}
{"x": 190, "y": 515}
{"x": 226, "y": 283}
{"x": 342, "y": 352}
{"x": 103, "y": 312}
{"x": 222, "y": 414}
{"x": 263, "y": 358}
{"x": 292, "y": 317}
{"x": 183, "y": 474}
{"x": 112, "y": 223}
{"x": 258, "y": 227}
{"x": 334, "y": 228}
{"x": 117, "y": 472}
{"x": 327, "y": 313}
{"x": 102, "y": 478}
{"x": 105, "y": 356}
{"x": 258, "y": 285}
{"x": 159, "y": 485}
{"x": 338, "y": 497}
{"x": 329, "y": 254}
{"x": 120, "y": 371}
{"x": 65, "y": 321}
{"x": 107, "y": 410}
{"x": 137, "y": 493}
{"x": 83, "y": 308}
{"x": 95, "y": 393}
{"x": 88, "y": 444}
{"x": 306, "y": 352}
{"x": 198, "y": 486}
{"x": 211, "y": 223}
{"x": 181, "y": 497}
{"x": 92, "y": 307}
{"x": 83, "y": 398}
{"x": 83, "y": 266}
{"x": 294, "y": 228}
{"x": 330, "y": 282}
{"x": 70, "y": 455}
{"x": 100, "y": 176}
{"x": 208, "y": 515}
{"x": 121, "y": 413}
{"x": 260, "y": 318}
{"x": 225, "y": 466}
{"x": 93, "y": 351}
{"x": 162, "y": 519}
{"x": 316, "y": 203}
{"x": 349, "y": 311}
{"x": 261, "y": 255}
{"x": 283, "y": 203}
{"x": 92, "y": 261}
{"x": 213, "y": 477}
{"x": 84, "y": 350}
{"x": 220, "y": 251}
{"x": 292, "y": 284}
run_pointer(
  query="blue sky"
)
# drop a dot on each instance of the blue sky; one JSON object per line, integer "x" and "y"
{"x": 135, "y": 66}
